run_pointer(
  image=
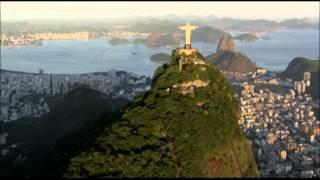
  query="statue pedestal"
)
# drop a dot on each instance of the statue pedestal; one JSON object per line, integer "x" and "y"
{"x": 187, "y": 51}
{"x": 187, "y": 46}
{"x": 193, "y": 59}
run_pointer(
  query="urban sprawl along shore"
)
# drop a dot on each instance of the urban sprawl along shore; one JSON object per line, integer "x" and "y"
{"x": 36, "y": 38}
{"x": 13, "y": 41}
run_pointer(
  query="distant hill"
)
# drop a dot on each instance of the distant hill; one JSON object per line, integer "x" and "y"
{"x": 154, "y": 25}
{"x": 166, "y": 24}
{"x": 207, "y": 34}
{"x": 203, "y": 34}
{"x": 157, "y": 39}
{"x": 161, "y": 57}
{"x": 300, "y": 23}
{"x": 296, "y": 69}
{"x": 298, "y": 66}
{"x": 79, "y": 108}
{"x": 227, "y": 59}
{"x": 170, "y": 39}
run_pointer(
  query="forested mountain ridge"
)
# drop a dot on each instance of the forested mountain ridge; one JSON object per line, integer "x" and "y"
{"x": 186, "y": 125}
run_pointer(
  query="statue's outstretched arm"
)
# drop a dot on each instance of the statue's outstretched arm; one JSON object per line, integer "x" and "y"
{"x": 182, "y": 27}
{"x": 195, "y": 27}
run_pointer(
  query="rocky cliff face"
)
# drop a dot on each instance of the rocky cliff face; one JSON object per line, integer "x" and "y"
{"x": 186, "y": 125}
{"x": 226, "y": 43}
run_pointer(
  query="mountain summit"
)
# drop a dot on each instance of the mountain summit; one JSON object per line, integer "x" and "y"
{"x": 228, "y": 59}
{"x": 186, "y": 125}
{"x": 226, "y": 43}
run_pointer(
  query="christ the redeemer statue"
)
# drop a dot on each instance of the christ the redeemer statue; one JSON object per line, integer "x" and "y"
{"x": 188, "y": 28}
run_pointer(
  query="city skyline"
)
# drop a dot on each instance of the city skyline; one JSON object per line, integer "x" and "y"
{"x": 15, "y": 11}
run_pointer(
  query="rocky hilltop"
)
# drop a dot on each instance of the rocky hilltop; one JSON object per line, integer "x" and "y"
{"x": 227, "y": 59}
{"x": 186, "y": 125}
{"x": 226, "y": 43}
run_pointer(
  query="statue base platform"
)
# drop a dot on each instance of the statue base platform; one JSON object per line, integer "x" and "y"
{"x": 187, "y": 46}
{"x": 187, "y": 51}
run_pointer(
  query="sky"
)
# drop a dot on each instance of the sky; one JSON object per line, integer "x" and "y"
{"x": 19, "y": 11}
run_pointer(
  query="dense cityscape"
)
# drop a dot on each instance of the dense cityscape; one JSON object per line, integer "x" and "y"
{"x": 281, "y": 124}
{"x": 25, "y": 94}
{"x": 17, "y": 87}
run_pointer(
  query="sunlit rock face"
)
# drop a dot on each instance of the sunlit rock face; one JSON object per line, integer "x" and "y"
{"x": 226, "y": 44}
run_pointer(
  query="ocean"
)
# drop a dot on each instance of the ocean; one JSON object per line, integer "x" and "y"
{"x": 84, "y": 56}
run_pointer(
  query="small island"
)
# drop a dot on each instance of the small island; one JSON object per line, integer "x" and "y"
{"x": 266, "y": 38}
{"x": 115, "y": 41}
{"x": 246, "y": 37}
{"x": 161, "y": 57}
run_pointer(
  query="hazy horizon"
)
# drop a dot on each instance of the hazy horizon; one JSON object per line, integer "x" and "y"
{"x": 66, "y": 11}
